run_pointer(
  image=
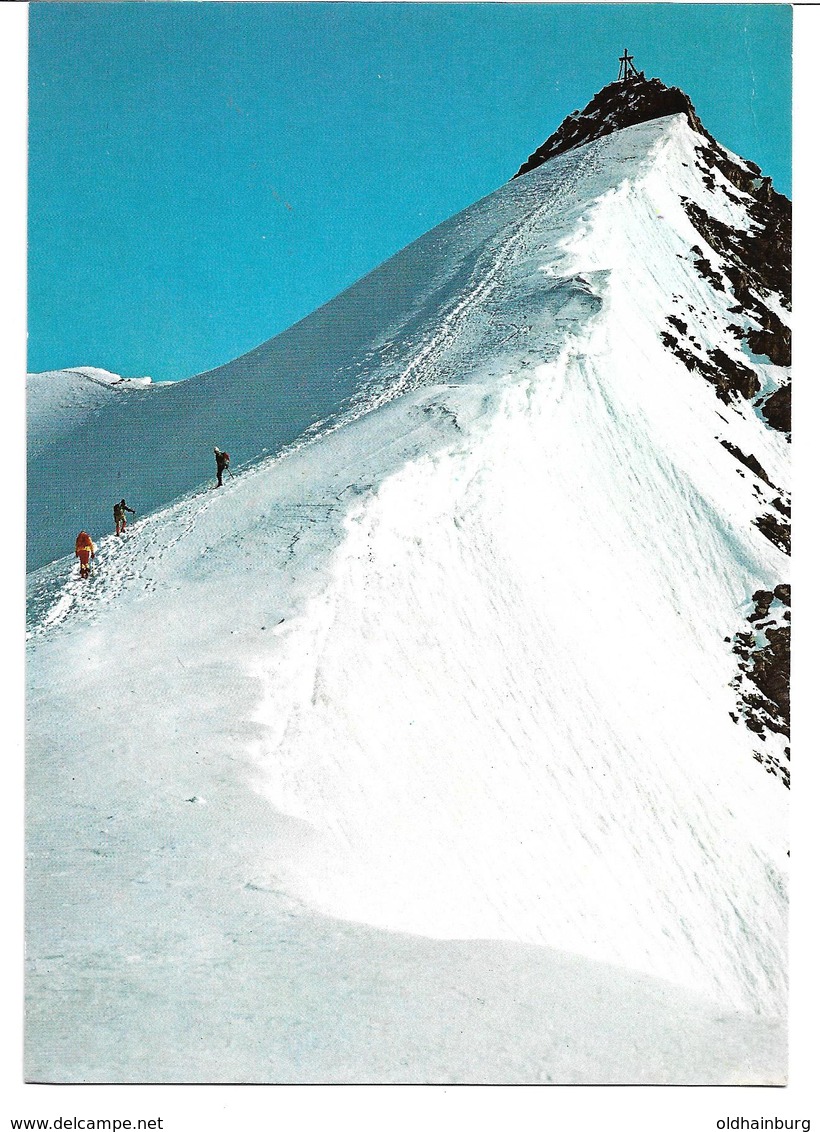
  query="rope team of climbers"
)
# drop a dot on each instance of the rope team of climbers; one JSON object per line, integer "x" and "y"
{"x": 84, "y": 546}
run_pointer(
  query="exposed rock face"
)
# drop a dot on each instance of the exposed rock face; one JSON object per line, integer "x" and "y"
{"x": 762, "y": 684}
{"x": 776, "y": 344}
{"x": 613, "y": 108}
{"x": 753, "y": 263}
{"x": 730, "y": 377}
{"x": 777, "y": 408}
{"x": 751, "y": 462}
{"x": 774, "y": 520}
{"x": 757, "y": 262}
{"x": 756, "y": 265}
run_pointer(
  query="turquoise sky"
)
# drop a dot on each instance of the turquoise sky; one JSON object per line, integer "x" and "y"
{"x": 202, "y": 175}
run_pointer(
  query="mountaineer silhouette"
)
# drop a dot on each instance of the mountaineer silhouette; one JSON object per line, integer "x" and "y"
{"x": 119, "y": 516}
{"x": 222, "y": 462}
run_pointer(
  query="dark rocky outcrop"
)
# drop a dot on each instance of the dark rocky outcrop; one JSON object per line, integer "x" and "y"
{"x": 756, "y": 262}
{"x": 776, "y": 529}
{"x": 729, "y": 376}
{"x": 750, "y": 461}
{"x": 766, "y": 249}
{"x": 759, "y": 259}
{"x": 616, "y": 106}
{"x": 777, "y": 408}
{"x": 763, "y": 651}
{"x": 775, "y": 344}
{"x": 704, "y": 268}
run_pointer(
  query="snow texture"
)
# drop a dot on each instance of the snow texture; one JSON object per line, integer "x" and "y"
{"x": 407, "y": 755}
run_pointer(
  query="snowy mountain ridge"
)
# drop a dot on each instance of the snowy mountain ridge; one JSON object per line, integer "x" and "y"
{"x": 467, "y": 658}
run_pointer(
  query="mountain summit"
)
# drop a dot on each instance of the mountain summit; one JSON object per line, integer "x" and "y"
{"x": 623, "y": 103}
{"x": 756, "y": 252}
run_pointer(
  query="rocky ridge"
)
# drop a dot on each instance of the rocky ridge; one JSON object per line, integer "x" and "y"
{"x": 762, "y": 683}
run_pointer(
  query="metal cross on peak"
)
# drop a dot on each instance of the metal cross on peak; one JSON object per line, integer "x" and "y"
{"x": 627, "y": 67}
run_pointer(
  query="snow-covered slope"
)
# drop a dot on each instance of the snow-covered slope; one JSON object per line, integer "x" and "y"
{"x": 396, "y": 326}
{"x": 457, "y": 666}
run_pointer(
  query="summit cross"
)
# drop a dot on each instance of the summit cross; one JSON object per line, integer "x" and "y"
{"x": 627, "y": 67}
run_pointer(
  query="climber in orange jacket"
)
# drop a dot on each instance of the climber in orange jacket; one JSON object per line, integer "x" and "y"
{"x": 84, "y": 549}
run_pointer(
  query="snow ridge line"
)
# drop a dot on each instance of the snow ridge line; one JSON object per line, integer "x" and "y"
{"x": 449, "y": 328}
{"x": 79, "y": 598}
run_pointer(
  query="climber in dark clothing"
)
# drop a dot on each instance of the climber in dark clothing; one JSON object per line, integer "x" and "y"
{"x": 119, "y": 515}
{"x": 222, "y": 462}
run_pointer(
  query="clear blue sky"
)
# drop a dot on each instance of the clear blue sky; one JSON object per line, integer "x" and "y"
{"x": 202, "y": 175}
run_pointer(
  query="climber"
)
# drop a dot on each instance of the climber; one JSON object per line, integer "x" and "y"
{"x": 84, "y": 549}
{"x": 222, "y": 462}
{"x": 119, "y": 516}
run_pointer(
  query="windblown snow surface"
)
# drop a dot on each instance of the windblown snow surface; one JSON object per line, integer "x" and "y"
{"x": 407, "y": 756}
